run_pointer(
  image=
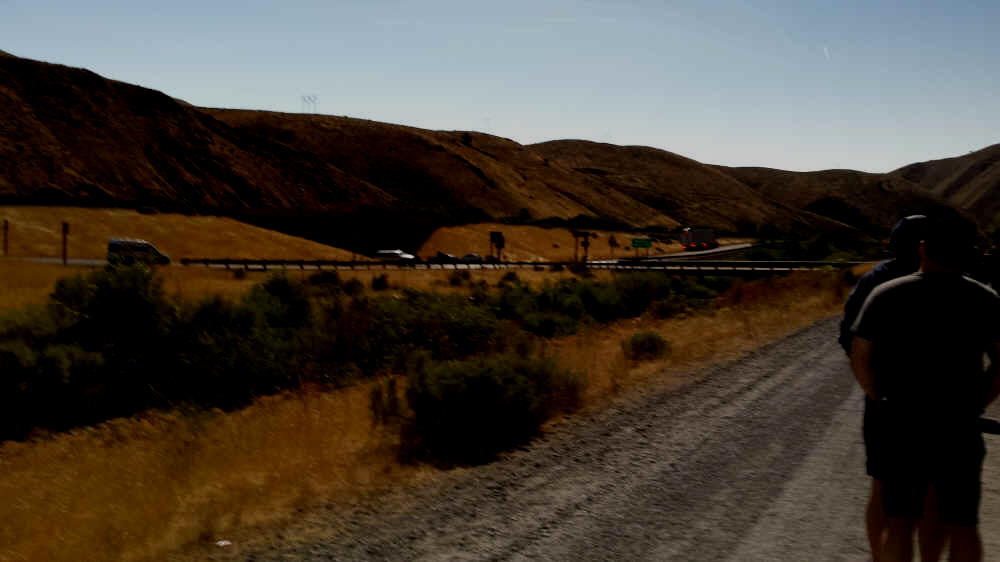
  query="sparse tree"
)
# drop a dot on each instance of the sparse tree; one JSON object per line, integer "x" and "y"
{"x": 612, "y": 243}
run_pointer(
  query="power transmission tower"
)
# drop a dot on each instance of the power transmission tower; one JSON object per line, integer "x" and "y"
{"x": 310, "y": 104}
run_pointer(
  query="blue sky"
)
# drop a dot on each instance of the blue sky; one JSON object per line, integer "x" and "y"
{"x": 794, "y": 84}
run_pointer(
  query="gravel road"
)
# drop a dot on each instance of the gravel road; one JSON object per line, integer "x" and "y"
{"x": 759, "y": 459}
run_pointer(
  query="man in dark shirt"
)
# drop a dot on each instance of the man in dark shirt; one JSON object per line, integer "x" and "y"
{"x": 918, "y": 351}
{"x": 904, "y": 242}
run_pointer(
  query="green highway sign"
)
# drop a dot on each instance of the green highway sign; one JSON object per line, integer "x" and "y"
{"x": 642, "y": 243}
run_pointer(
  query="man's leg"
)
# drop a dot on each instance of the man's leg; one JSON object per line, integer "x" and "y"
{"x": 965, "y": 544}
{"x": 873, "y": 429}
{"x": 931, "y": 531}
{"x": 959, "y": 489}
{"x": 899, "y": 540}
{"x": 903, "y": 498}
{"x": 875, "y": 521}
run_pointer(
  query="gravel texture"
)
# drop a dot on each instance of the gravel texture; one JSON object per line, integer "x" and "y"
{"x": 757, "y": 459}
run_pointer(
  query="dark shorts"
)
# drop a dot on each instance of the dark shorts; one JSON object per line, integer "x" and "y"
{"x": 951, "y": 463}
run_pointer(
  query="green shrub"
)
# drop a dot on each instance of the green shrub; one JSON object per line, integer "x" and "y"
{"x": 668, "y": 307}
{"x": 121, "y": 309}
{"x": 353, "y": 287}
{"x": 325, "y": 278}
{"x": 514, "y": 301}
{"x": 448, "y": 326}
{"x": 282, "y": 301}
{"x": 646, "y": 345}
{"x": 457, "y": 277}
{"x": 466, "y": 412}
{"x": 111, "y": 343}
{"x": 17, "y": 368}
{"x": 380, "y": 282}
{"x": 549, "y": 324}
{"x": 230, "y": 352}
{"x": 602, "y": 302}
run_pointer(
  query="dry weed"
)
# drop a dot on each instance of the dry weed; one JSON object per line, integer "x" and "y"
{"x": 139, "y": 488}
{"x": 23, "y": 283}
{"x": 748, "y": 316}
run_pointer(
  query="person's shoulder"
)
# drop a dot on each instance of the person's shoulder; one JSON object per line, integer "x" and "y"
{"x": 882, "y": 272}
{"x": 881, "y": 269}
{"x": 979, "y": 286}
{"x": 887, "y": 271}
{"x": 895, "y": 284}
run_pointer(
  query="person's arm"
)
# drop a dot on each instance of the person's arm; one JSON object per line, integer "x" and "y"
{"x": 851, "y": 309}
{"x": 861, "y": 364}
{"x": 993, "y": 373}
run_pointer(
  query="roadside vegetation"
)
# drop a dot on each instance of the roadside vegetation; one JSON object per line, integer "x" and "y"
{"x": 112, "y": 342}
{"x": 222, "y": 411}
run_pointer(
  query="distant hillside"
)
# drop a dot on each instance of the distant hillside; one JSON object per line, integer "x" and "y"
{"x": 426, "y": 168}
{"x": 870, "y": 202}
{"x": 71, "y": 137}
{"x": 688, "y": 190}
{"x": 970, "y": 182}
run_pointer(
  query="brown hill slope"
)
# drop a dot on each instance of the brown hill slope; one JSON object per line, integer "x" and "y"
{"x": 69, "y": 135}
{"x": 970, "y": 182}
{"x": 870, "y": 202}
{"x": 423, "y": 167}
{"x": 692, "y": 192}
{"x": 35, "y": 231}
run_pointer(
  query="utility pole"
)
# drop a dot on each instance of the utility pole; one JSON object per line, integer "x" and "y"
{"x": 65, "y": 231}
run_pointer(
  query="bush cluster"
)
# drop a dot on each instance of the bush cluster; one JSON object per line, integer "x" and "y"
{"x": 644, "y": 346}
{"x": 464, "y": 412}
{"x": 112, "y": 343}
{"x": 561, "y": 308}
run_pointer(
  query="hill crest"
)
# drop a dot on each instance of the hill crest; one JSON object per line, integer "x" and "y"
{"x": 69, "y": 136}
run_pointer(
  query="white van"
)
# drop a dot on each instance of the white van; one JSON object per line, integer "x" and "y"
{"x": 126, "y": 251}
{"x": 395, "y": 256}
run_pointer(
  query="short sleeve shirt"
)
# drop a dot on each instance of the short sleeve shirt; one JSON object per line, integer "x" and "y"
{"x": 929, "y": 332}
{"x": 882, "y": 272}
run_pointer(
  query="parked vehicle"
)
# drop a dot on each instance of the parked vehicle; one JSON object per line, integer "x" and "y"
{"x": 127, "y": 251}
{"x": 443, "y": 257}
{"x": 695, "y": 239}
{"x": 471, "y": 258}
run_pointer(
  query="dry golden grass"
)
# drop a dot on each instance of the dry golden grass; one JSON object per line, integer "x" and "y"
{"x": 750, "y": 315}
{"x": 37, "y": 231}
{"x": 167, "y": 486}
{"x": 141, "y": 487}
{"x": 534, "y": 243}
{"x": 24, "y": 282}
